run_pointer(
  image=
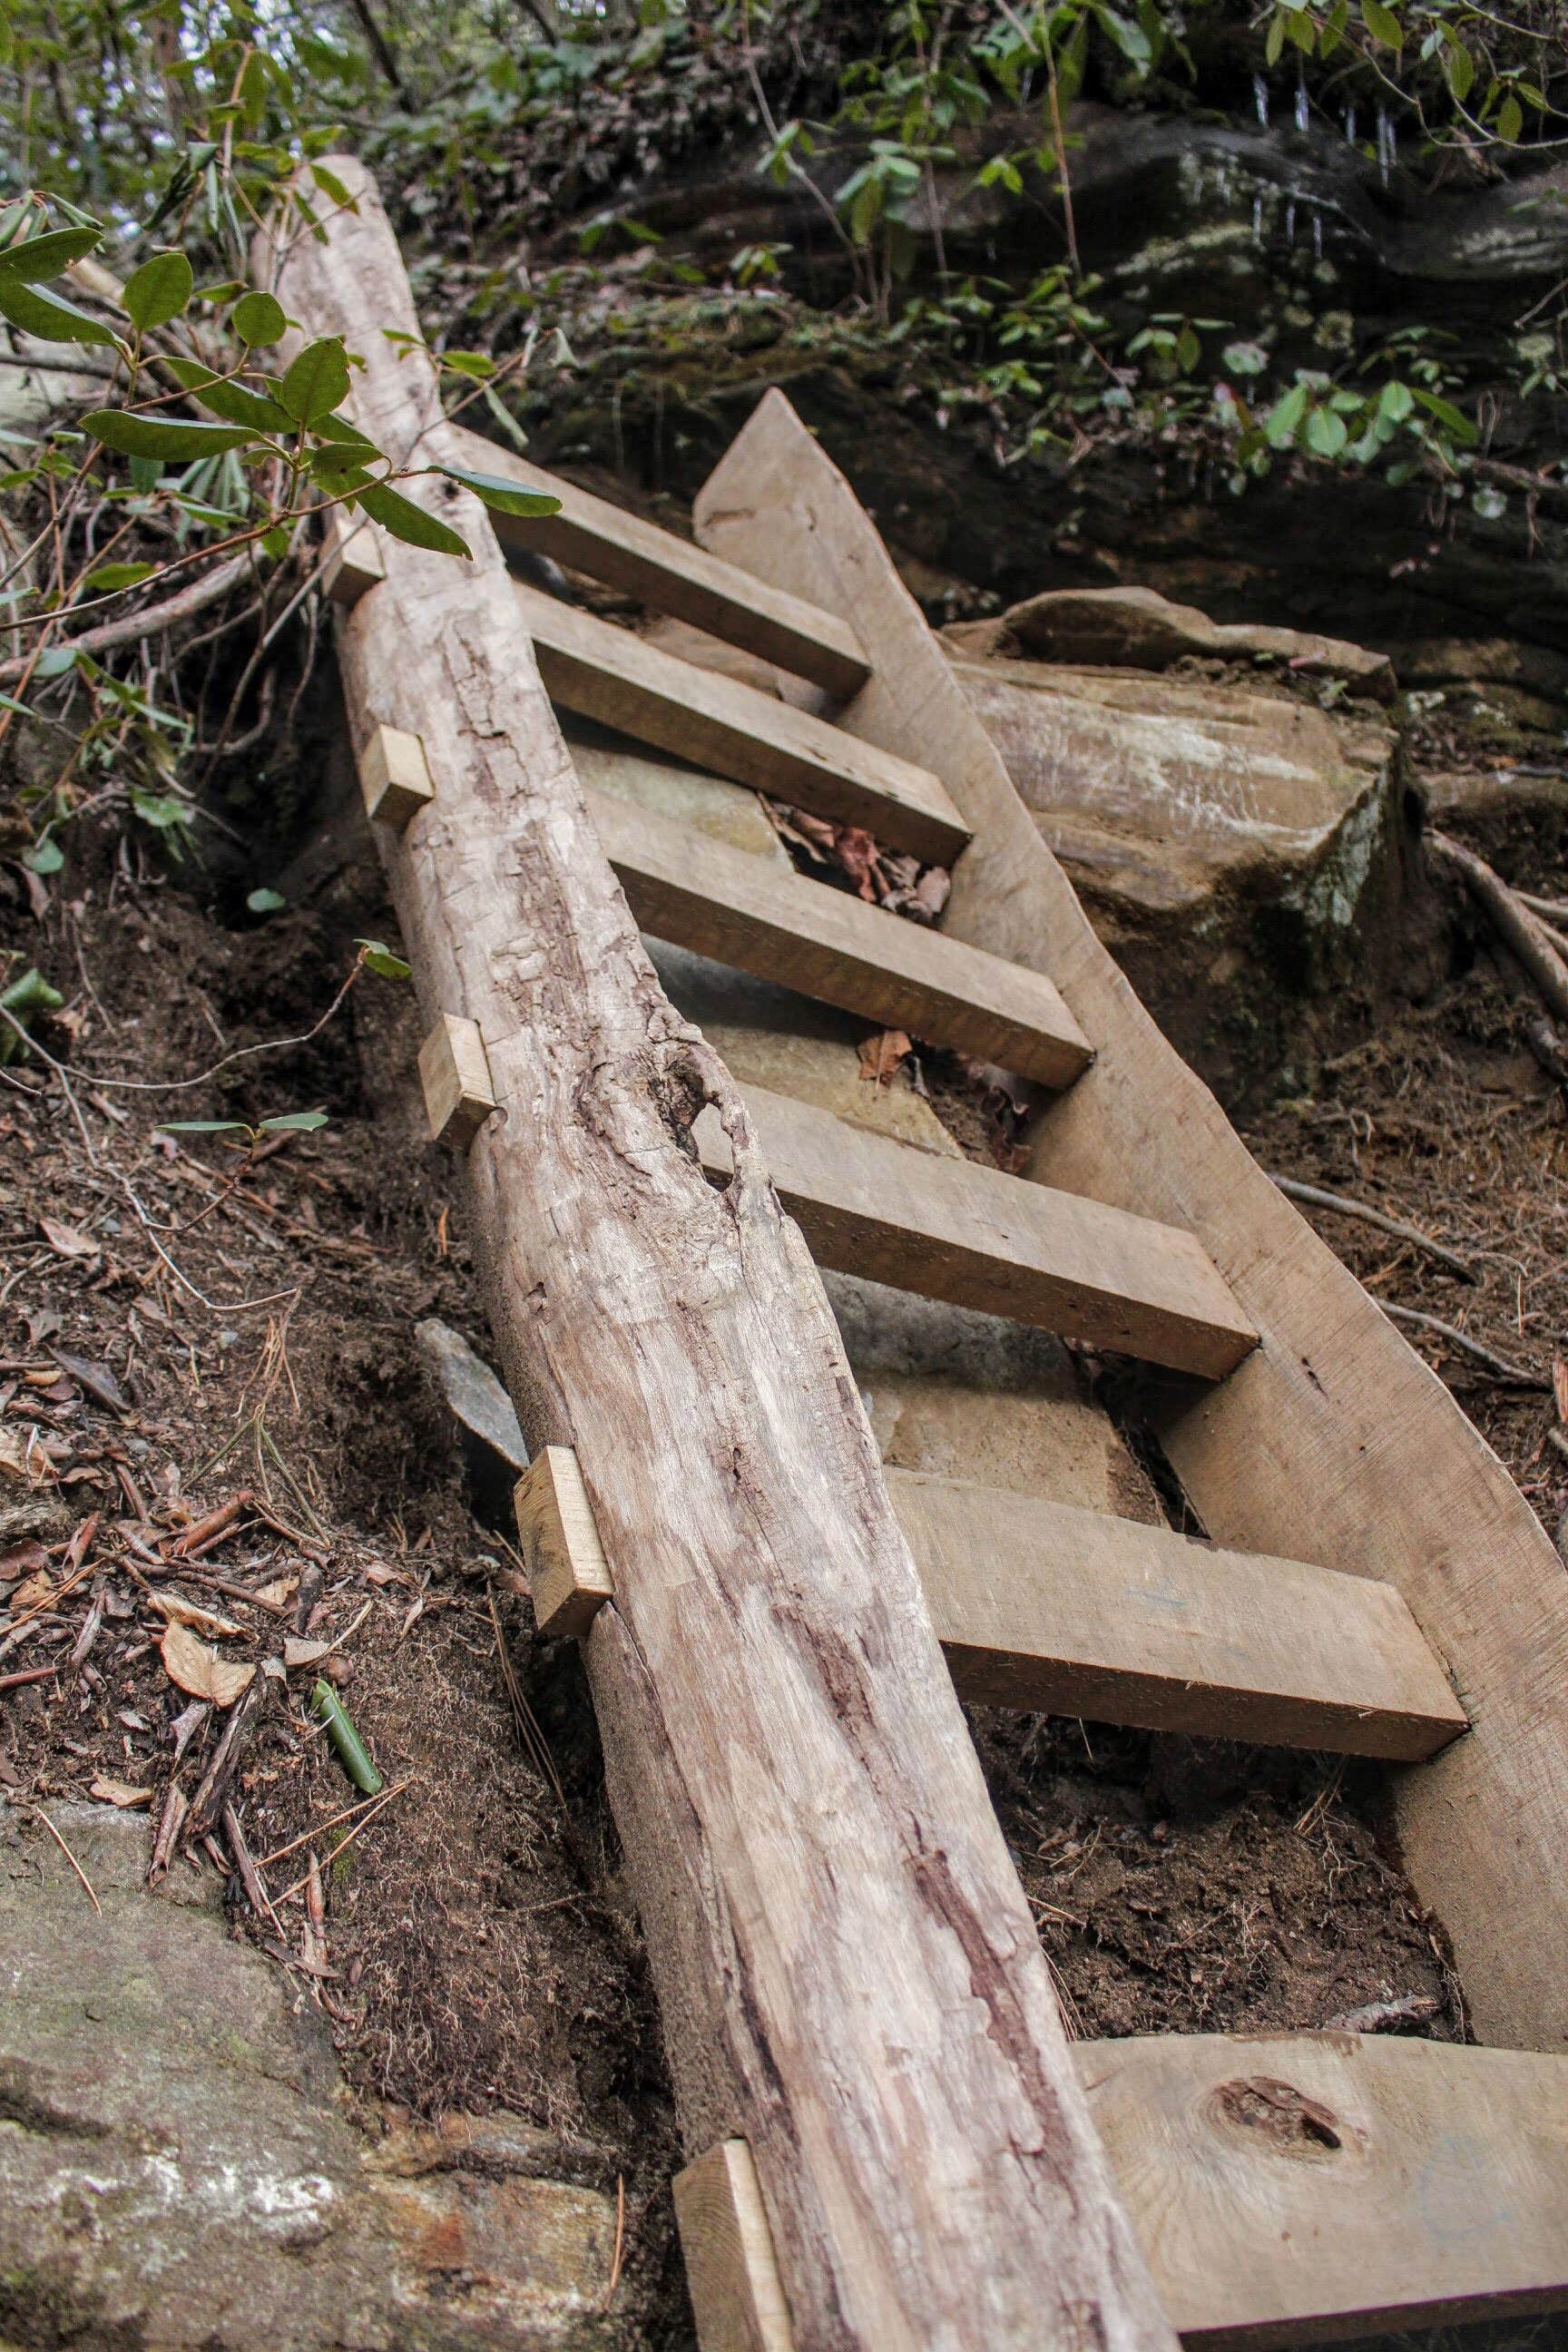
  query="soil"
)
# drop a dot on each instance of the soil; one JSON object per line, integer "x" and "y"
{"x": 481, "y": 1951}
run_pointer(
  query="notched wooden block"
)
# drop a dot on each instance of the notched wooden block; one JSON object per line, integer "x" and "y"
{"x": 394, "y": 777}
{"x": 351, "y": 556}
{"x": 568, "y": 1575}
{"x": 737, "y": 2297}
{"x": 455, "y": 1073}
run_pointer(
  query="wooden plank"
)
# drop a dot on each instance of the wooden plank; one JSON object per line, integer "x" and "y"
{"x": 568, "y": 1575}
{"x": 1321, "y": 2185}
{"x": 670, "y": 575}
{"x": 394, "y": 776}
{"x": 719, "y": 724}
{"x": 1040, "y": 1605}
{"x": 1334, "y": 1425}
{"x": 770, "y": 1695}
{"x": 737, "y": 2298}
{"x": 951, "y": 1230}
{"x": 702, "y": 894}
{"x": 456, "y": 1078}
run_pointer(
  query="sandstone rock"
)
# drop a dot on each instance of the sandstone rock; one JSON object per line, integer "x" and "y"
{"x": 178, "y": 2168}
{"x": 472, "y": 1390}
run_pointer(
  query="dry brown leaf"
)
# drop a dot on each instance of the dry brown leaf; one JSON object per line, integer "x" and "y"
{"x": 181, "y": 1611}
{"x": 298, "y": 1653}
{"x": 22, "y": 1560}
{"x": 24, "y": 1455}
{"x": 67, "y": 1241}
{"x": 281, "y": 1589}
{"x": 124, "y": 1793}
{"x": 201, "y": 1671}
{"x": 880, "y": 1056}
{"x": 32, "y": 1594}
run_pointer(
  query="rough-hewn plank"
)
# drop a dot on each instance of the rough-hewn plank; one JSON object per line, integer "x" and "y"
{"x": 1321, "y": 2185}
{"x": 1039, "y": 1605}
{"x": 951, "y": 1230}
{"x": 1334, "y": 1438}
{"x": 671, "y": 576}
{"x": 686, "y": 887}
{"x": 770, "y": 1691}
{"x": 720, "y": 723}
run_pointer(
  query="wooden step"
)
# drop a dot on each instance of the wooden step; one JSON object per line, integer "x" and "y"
{"x": 1039, "y": 1605}
{"x": 670, "y": 575}
{"x": 1318, "y": 2185}
{"x": 971, "y": 1235}
{"x": 703, "y": 894}
{"x": 611, "y": 675}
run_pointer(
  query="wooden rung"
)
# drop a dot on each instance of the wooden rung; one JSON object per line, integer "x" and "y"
{"x": 737, "y": 2297}
{"x": 732, "y": 730}
{"x": 351, "y": 556}
{"x": 1335, "y": 2184}
{"x": 1039, "y": 1605}
{"x": 455, "y": 1072}
{"x": 702, "y": 894}
{"x": 394, "y": 777}
{"x": 568, "y": 1575}
{"x": 871, "y": 1207}
{"x": 670, "y": 575}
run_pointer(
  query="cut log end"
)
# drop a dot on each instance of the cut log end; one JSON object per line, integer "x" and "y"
{"x": 394, "y": 777}
{"x": 568, "y": 1575}
{"x": 737, "y": 2298}
{"x": 455, "y": 1073}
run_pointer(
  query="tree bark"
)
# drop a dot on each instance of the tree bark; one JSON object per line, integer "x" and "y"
{"x": 849, "y": 1974}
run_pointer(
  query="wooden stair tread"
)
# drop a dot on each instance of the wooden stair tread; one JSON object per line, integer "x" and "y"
{"x": 1040, "y": 1605}
{"x": 978, "y": 1238}
{"x": 703, "y": 894}
{"x": 611, "y": 675}
{"x": 672, "y": 575}
{"x": 1289, "y": 2188}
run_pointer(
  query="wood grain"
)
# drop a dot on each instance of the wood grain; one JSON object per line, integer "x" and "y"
{"x": 568, "y": 1575}
{"x": 721, "y": 724}
{"x": 770, "y": 1694}
{"x": 455, "y": 1076}
{"x": 1293, "y": 2189}
{"x": 737, "y": 2297}
{"x": 700, "y": 893}
{"x": 670, "y": 575}
{"x": 1333, "y": 1442}
{"x": 948, "y": 1229}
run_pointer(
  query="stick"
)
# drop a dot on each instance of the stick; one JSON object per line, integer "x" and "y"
{"x": 70, "y": 1858}
{"x": 1521, "y": 930}
{"x": 151, "y": 622}
{"x": 1314, "y": 1197}
{"x": 379, "y": 1806}
{"x": 256, "y": 1894}
{"x": 1499, "y": 1366}
{"x": 321, "y": 1828}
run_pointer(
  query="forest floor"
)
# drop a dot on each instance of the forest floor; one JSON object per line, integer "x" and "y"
{"x": 185, "y": 1332}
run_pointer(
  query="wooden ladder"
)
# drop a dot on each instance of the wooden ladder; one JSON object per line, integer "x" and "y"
{"x": 1377, "y": 1586}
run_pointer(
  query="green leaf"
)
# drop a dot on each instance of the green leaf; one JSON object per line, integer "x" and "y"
{"x": 111, "y": 578}
{"x": 232, "y": 401}
{"x": 161, "y": 809}
{"x": 331, "y": 185}
{"x": 1274, "y": 41}
{"x": 505, "y": 498}
{"x": 1383, "y": 24}
{"x": 49, "y": 317}
{"x": 258, "y": 319}
{"x": 49, "y": 255}
{"x": 1448, "y": 417}
{"x": 1326, "y": 432}
{"x": 406, "y": 521}
{"x": 45, "y": 857}
{"x": 317, "y": 382}
{"x": 1460, "y": 68}
{"x": 160, "y": 289}
{"x": 265, "y": 902}
{"x": 202, "y": 1127}
{"x": 1395, "y": 402}
{"x": 294, "y": 1122}
{"x": 162, "y": 436}
{"x": 381, "y": 960}
{"x": 1509, "y": 119}
{"x": 1279, "y": 425}
{"x": 1189, "y": 349}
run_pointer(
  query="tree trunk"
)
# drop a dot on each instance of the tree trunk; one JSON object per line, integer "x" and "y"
{"x": 849, "y": 1974}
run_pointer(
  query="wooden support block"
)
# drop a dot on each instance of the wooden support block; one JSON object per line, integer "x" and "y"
{"x": 568, "y": 1575}
{"x": 737, "y": 2297}
{"x": 1072, "y": 1612}
{"x": 455, "y": 1073}
{"x": 351, "y": 556}
{"x": 699, "y": 893}
{"x": 394, "y": 777}
{"x": 734, "y": 729}
{"x": 1318, "y": 2185}
{"x": 977, "y": 1237}
{"x": 671, "y": 576}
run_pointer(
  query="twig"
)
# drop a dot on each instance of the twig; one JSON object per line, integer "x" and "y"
{"x": 70, "y": 1858}
{"x": 379, "y": 1806}
{"x": 321, "y": 1828}
{"x": 259, "y": 1900}
{"x": 618, "y": 2257}
{"x": 151, "y": 621}
{"x": 28, "y": 1675}
{"x": 1521, "y": 930}
{"x": 1499, "y": 1366}
{"x": 1554, "y": 910}
{"x": 1313, "y": 1197}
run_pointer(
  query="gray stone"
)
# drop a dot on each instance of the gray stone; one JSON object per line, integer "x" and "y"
{"x": 472, "y": 1390}
{"x": 178, "y": 2167}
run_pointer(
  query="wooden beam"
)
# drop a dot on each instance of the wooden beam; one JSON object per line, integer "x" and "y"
{"x": 1039, "y": 1605}
{"x": 1333, "y": 1421}
{"x": 670, "y": 575}
{"x": 770, "y": 1695}
{"x": 951, "y": 1230}
{"x": 393, "y": 776}
{"x": 720, "y": 723}
{"x": 700, "y": 893}
{"x": 568, "y": 1575}
{"x": 455, "y": 1075}
{"x": 1321, "y": 2185}
{"x": 737, "y": 2297}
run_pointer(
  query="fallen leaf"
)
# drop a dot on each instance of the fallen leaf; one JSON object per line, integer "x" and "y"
{"x": 24, "y": 1455}
{"x": 188, "y": 1722}
{"x": 298, "y": 1653}
{"x": 281, "y": 1589}
{"x": 201, "y": 1671}
{"x": 22, "y": 1560}
{"x": 33, "y": 1593}
{"x": 67, "y": 1241}
{"x": 181, "y": 1611}
{"x": 123, "y": 1794}
{"x": 96, "y": 1379}
{"x": 880, "y": 1056}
